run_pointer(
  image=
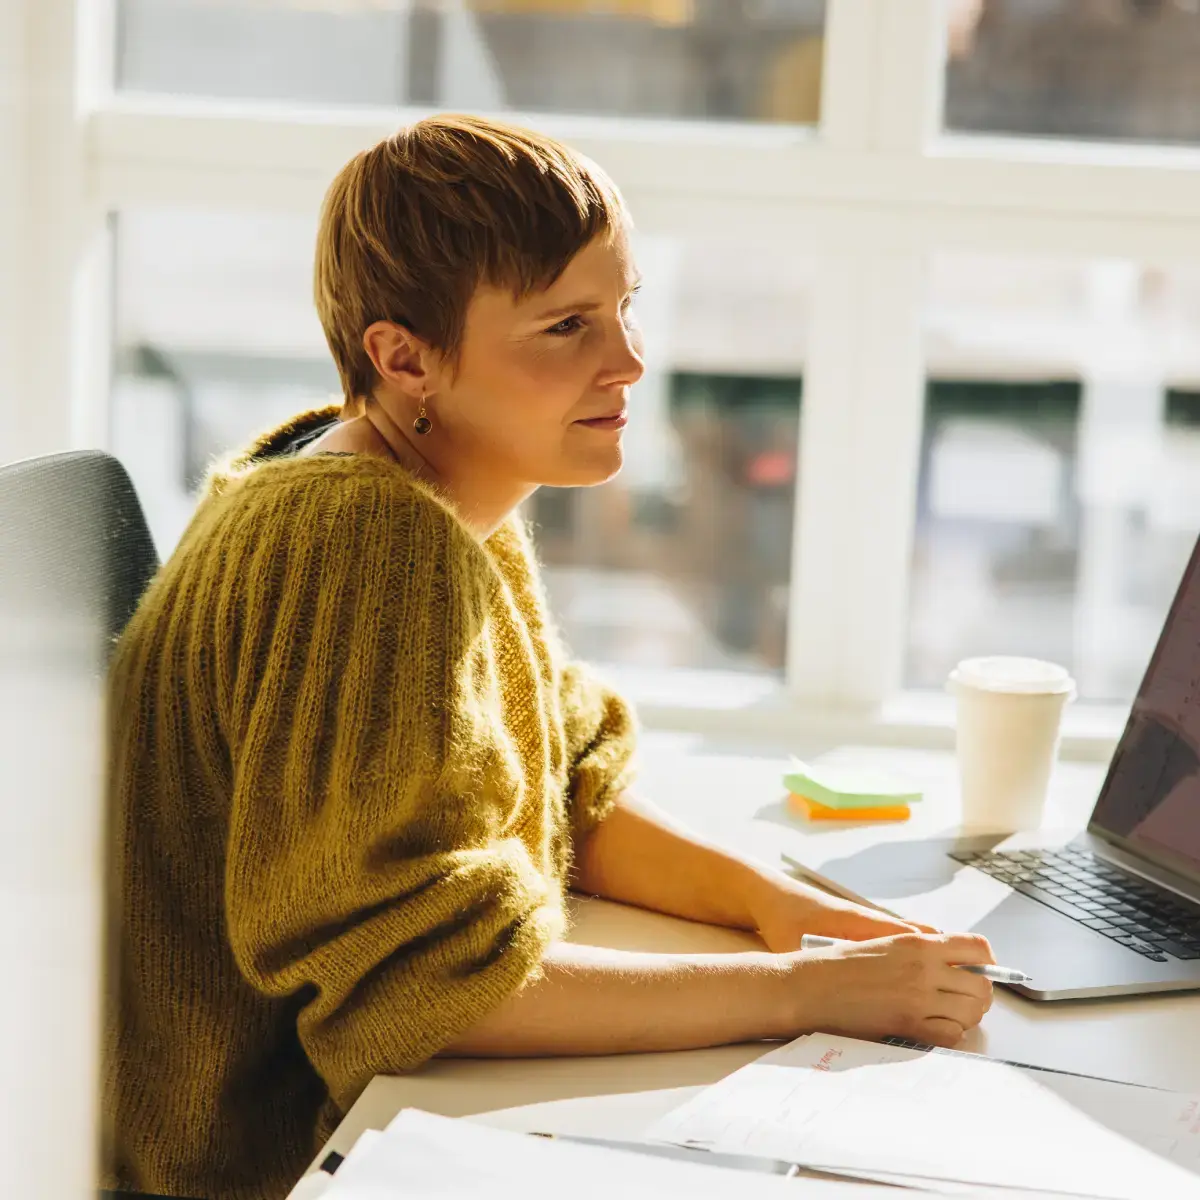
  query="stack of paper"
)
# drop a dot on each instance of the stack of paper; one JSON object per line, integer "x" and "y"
{"x": 437, "y": 1158}
{"x": 939, "y": 1118}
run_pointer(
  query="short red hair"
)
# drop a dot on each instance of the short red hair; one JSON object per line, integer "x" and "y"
{"x": 410, "y": 228}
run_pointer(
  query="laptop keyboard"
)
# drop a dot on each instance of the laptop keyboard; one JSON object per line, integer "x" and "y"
{"x": 1133, "y": 912}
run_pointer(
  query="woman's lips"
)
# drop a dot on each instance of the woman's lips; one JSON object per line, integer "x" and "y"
{"x": 612, "y": 423}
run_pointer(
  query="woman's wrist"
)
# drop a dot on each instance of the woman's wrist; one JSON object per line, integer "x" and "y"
{"x": 761, "y": 888}
{"x": 794, "y": 1003}
{"x": 769, "y": 1005}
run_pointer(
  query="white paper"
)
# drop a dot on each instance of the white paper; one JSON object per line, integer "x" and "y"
{"x": 841, "y": 1104}
{"x": 437, "y": 1158}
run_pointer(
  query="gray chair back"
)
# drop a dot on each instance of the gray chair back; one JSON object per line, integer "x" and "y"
{"x": 75, "y": 554}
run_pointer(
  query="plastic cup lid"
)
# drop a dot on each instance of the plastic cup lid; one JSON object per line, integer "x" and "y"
{"x": 1027, "y": 676}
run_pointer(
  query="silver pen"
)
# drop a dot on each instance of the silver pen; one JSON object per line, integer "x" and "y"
{"x": 812, "y": 941}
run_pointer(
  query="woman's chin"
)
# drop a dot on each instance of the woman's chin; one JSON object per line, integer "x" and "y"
{"x": 588, "y": 470}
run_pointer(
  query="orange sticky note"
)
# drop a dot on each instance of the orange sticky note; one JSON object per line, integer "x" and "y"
{"x": 813, "y": 811}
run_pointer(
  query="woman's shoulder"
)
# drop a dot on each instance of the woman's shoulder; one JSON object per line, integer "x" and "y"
{"x": 334, "y": 498}
{"x": 297, "y": 527}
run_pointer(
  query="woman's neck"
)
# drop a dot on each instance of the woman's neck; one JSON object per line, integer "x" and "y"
{"x": 481, "y": 501}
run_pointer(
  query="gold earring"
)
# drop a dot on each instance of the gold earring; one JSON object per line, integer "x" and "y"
{"x": 422, "y": 424}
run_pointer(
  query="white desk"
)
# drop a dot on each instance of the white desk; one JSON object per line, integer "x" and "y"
{"x": 736, "y": 797}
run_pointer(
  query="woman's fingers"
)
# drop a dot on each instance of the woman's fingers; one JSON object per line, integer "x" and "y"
{"x": 967, "y": 1011}
{"x": 941, "y": 1031}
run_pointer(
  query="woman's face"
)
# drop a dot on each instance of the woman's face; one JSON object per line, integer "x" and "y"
{"x": 541, "y": 390}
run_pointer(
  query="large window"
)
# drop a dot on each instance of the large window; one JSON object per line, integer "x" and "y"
{"x": 922, "y": 303}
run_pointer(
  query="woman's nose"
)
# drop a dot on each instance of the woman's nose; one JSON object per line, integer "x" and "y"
{"x": 627, "y": 365}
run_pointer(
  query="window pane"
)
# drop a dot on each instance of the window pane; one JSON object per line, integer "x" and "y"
{"x": 754, "y": 60}
{"x": 1114, "y": 69}
{"x": 1060, "y": 474}
{"x": 684, "y": 562}
{"x": 681, "y": 561}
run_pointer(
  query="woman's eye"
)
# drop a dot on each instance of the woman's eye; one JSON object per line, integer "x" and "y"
{"x": 567, "y": 325}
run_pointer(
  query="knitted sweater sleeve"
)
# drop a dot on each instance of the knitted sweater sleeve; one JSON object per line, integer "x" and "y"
{"x": 600, "y": 733}
{"x": 369, "y": 881}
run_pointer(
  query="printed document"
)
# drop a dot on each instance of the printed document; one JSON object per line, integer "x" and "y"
{"x": 843, "y": 1105}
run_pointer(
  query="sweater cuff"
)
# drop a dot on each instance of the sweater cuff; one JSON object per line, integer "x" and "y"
{"x": 600, "y": 779}
{"x": 605, "y": 769}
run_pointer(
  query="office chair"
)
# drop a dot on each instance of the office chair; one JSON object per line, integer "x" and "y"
{"x": 75, "y": 557}
{"x": 75, "y": 551}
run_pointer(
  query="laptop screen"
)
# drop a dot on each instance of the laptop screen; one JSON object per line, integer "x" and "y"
{"x": 1151, "y": 798}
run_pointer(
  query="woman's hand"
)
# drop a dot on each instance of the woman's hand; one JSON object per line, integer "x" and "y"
{"x": 784, "y": 909}
{"x": 906, "y": 986}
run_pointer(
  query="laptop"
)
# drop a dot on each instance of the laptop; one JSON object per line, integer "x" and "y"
{"x": 1116, "y": 911}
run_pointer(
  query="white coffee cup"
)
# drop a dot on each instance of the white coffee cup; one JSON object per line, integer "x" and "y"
{"x": 1007, "y": 733}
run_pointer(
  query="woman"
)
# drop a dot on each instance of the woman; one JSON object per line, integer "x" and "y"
{"x": 353, "y": 771}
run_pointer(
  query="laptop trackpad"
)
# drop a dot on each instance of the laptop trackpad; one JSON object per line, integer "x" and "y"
{"x": 919, "y": 881}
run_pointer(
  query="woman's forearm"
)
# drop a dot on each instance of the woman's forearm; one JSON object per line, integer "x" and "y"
{"x": 591, "y": 1000}
{"x": 640, "y": 856}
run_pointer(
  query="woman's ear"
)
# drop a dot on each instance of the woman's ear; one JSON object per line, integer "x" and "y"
{"x": 398, "y": 357}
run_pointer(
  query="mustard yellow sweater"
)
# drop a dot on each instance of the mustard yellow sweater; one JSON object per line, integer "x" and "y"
{"x": 348, "y": 763}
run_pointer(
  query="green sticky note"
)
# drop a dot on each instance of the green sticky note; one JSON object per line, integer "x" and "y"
{"x": 849, "y": 787}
